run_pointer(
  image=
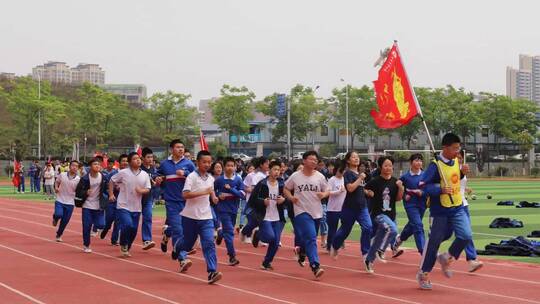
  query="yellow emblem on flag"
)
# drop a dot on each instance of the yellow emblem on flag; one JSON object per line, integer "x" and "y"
{"x": 399, "y": 95}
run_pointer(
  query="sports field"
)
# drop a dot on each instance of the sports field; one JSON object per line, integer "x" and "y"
{"x": 483, "y": 211}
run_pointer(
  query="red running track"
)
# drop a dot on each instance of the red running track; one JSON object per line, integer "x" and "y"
{"x": 35, "y": 269}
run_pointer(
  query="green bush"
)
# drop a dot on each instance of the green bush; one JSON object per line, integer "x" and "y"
{"x": 218, "y": 149}
{"x": 327, "y": 150}
{"x": 501, "y": 171}
{"x": 535, "y": 171}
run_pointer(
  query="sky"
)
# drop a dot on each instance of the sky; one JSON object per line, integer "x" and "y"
{"x": 194, "y": 47}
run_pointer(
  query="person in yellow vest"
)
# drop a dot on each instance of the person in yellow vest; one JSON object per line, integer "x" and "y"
{"x": 441, "y": 182}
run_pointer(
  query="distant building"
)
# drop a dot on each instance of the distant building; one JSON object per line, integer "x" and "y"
{"x": 205, "y": 111}
{"x": 7, "y": 75}
{"x": 60, "y": 72}
{"x": 525, "y": 81}
{"x": 132, "y": 93}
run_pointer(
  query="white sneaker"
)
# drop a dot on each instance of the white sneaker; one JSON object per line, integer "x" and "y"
{"x": 125, "y": 251}
{"x": 93, "y": 233}
{"x": 380, "y": 256}
{"x": 475, "y": 265}
{"x": 59, "y": 239}
{"x": 87, "y": 250}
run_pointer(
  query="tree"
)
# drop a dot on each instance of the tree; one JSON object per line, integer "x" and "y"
{"x": 173, "y": 116}
{"x": 306, "y": 113}
{"x": 233, "y": 110}
{"x": 361, "y": 101}
{"x": 496, "y": 114}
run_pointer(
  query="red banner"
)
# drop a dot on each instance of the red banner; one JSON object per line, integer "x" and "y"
{"x": 395, "y": 97}
{"x": 202, "y": 142}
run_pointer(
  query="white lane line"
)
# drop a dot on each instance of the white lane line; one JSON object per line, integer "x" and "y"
{"x": 22, "y": 294}
{"x": 87, "y": 274}
{"x": 136, "y": 263}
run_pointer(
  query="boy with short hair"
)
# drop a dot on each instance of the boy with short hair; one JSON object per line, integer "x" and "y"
{"x": 197, "y": 218}
{"x": 148, "y": 203}
{"x": 65, "y": 186}
{"x": 134, "y": 183}
{"x": 92, "y": 214}
{"x": 441, "y": 181}
{"x": 230, "y": 190}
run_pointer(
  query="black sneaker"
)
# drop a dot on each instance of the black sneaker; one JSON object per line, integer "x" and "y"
{"x": 103, "y": 233}
{"x": 369, "y": 266}
{"x": 185, "y": 264}
{"x": 302, "y": 259}
{"x": 164, "y": 239}
{"x": 174, "y": 255}
{"x": 233, "y": 261}
{"x": 219, "y": 237}
{"x": 214, "y": 277}
{"x": 55, "y": 222}
{"x": 267, "y": 266}
{"x": 317, "y": 271}
{"x": 255, "y": 238}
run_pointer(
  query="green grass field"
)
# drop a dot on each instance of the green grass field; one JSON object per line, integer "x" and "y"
{"x": 483, "y": 211}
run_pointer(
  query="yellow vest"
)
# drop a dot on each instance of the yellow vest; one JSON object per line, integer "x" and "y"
{"x": 452, "y": 175}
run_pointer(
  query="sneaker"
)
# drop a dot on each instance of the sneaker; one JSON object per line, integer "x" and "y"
{"x": 267, "y": 266}
{"x": 237, "y": 230}
{"x": 255, "y": 238}
{"x": 148, "y": 245}
{"x": 59, "y": 239}
{"x": 93, "y": 233}
{"x": 317, "y": 271}
{"x": 55, "y": 222}
{"x": 369, "y": 266}
{"x": 398, "y": 242}
{"x": 445, "y": 260}
{"x": 233, "y": 261}
{"x": 279, "y": 245}
{"x": 423, "y": 280}
{"x": 214, "y": 277}
{"x": 87, "y": 249}
{"x": 380, "y": 256}
{"x": 219, "y": 237}
{"x": 323, "y": 245}
{"x": 396, "y": 252}
{"x": 115, "y": 244}
{"x": 174, "y": 254}
{"x": 192, "y": 251}
{"x": 185, "y": 264}
{"x": 333, "y": 253}
{"x": 475, "y": 265}
{"x": 103, "y": 233}
{"x": 164, "y": 239}
{"x": 125, "y": 251}
{"x": 302, "y": 259}
{"x": 263, "y": 244}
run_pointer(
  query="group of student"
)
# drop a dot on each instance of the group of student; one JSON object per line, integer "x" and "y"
{"x": 202, "y": 201}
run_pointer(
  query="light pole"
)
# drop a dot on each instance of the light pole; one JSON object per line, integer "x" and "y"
{"x": 312, "y": 123}
{"x": 39, "y": 114}
{"x": 346, "y": 116}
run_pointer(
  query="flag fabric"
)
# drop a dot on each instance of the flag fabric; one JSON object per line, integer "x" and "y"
{"x": 139, "y": 150}
{"x": 395, "y": 96}
{"x": 16, "y": 180}
{"x": 202, "y": 142}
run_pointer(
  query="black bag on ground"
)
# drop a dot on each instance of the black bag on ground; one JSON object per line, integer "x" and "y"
{"x": 518, "y": 246}
{"x": 534, "y": 234}
{"x": 505, "y": 222}
{"x": 505, "y": 203}
{"x": 525, "y": 204}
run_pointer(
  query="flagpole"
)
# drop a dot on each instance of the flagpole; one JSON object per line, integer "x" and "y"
{"x": 422, "y": 118}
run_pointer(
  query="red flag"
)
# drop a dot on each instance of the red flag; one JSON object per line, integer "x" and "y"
{"x": 202, "y": 142}
{"x": 16, "y": 180}
{"x": 139, "y": 150}
{"x": 116, "y": 164}
{"x": 395, "y": 96}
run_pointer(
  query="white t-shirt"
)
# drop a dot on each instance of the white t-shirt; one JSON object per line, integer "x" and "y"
{"x": 272, "y": 213}
{"x": 253, "y": 179}
{"x": 127, "y": 182}
{"x": 336, "y": 199}
{"x": 66, "y": 189}
{"x": 92, "y": 201}
{"x": 49, "y": 176}
{"x": 305, "y": 188}
{"x": 198, "y": 208}
{"x": 462, "y": 187}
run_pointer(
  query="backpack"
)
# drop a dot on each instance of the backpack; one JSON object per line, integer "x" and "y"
{"x": 81, "y": 193}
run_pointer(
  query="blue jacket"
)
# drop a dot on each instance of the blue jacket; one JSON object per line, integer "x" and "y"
{"x": 173, "y": 184}
{"x": 236, "y": 193}
{"x": 412, "y": 182}
{"x": 430, "y": 182}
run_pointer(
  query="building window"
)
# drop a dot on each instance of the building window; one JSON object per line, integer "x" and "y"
{"x": 324, "y": 130}
{"x": 485, "y": 132}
